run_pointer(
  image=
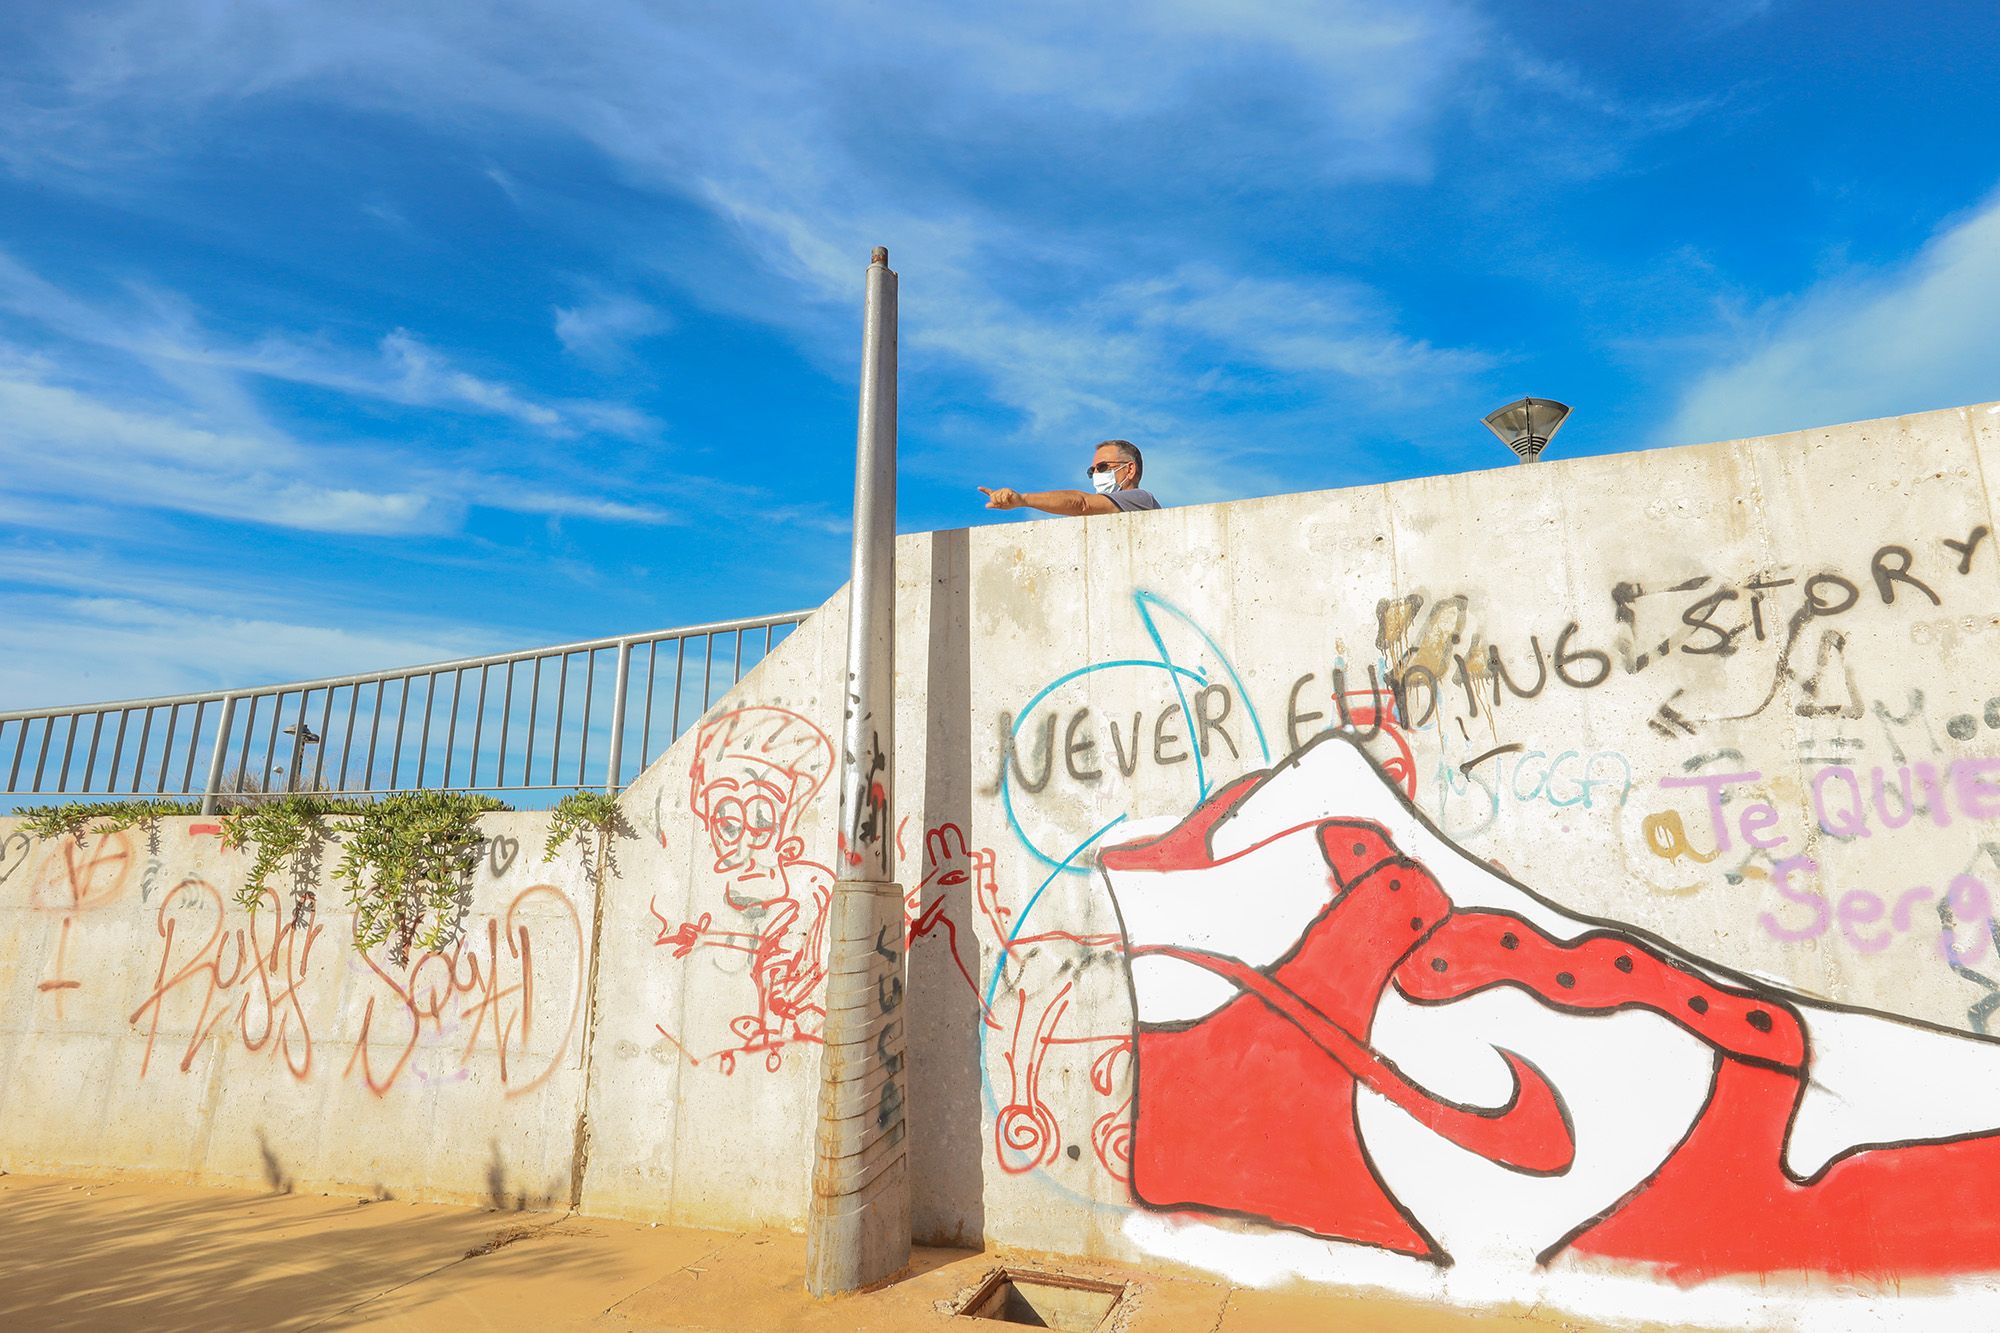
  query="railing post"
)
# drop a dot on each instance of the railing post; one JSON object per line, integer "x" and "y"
{"x": 218, "y": 755}
{"x": 617, "y": 755}
{"x": 858, "y": 1219}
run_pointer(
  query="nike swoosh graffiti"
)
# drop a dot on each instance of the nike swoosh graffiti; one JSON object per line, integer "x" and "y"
{"x": 1530, "y": 1132}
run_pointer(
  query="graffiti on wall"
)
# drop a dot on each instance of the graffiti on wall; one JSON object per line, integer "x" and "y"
{"x": 1405, "y": 1049}
{"x": 81, "y": 877}
{"x": 1030, "y": 1021}
{"x": 756, "y": 773}
{"x": 1581, "y": 1091}
{"x": 1771, "y": 628}
{"x": 505, "y": 996}
{"x": 484, "y": 999}
{"x": 1713, "y": 650}
{"x": 1199, "y": 721}
{"x": 1201, "y": 724}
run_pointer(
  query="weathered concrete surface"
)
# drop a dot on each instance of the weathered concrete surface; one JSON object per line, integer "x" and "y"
{"x": 84, "y": 1255}
{"x": 152, "y": 1025}
{"x": 1791, "y": 610}
{"x": 1645, "y": 700}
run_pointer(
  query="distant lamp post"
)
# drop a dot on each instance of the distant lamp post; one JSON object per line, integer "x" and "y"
{"x": 302, "y": 736}
{"x": 1527, "y": 425}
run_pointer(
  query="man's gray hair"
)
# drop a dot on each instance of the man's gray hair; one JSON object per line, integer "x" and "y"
{"x": 1131, "y": 453}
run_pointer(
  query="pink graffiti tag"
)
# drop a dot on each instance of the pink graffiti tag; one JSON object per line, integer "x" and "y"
{"x": 500, "y": 1011}
{"x": 268, "y": 971}
{"x": 92, "y": 876}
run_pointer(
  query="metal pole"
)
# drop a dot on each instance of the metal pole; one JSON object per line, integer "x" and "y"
{"x": 298, "y": 744}
{"x": 611, "y": 763}
{"x": 858, "y": 1219}
{"x": 217, "y": 756}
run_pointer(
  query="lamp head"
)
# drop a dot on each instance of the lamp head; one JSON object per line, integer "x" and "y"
{"x": 1527, "y": 425}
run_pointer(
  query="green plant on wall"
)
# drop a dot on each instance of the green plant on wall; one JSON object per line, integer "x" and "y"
{"x": 407, "y": 867}
{"x": 83, "y": 818}
{"x": 586, "y": 816}
{"x": 277, "y": 830}
{"x": 579, "y": 813}
{"x": 406, "y": 860}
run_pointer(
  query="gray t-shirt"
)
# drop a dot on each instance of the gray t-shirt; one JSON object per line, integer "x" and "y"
{"x": 1127, "y": 501}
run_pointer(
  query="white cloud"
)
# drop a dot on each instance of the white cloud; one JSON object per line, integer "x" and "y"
{"x": 421, "y": 376}
{"x": 601, "y": 329}
{"x": 68, "y": 649}
{"x": 166, "y": 333}
{"x": 507, "y": 184}
{"x": 529, "y": 498}
{"x": 387, "y": 214}
{"x": 74, "y": 460}
{"x": 1319, "y": 328}
{"x": 57, "y": 438}
{"x": 1916, "y": 336}
{"x": 70, "y": 454}
{"x": 93, "y": 621}
{"x": 139, "y": 405}
{"x": 779, "y": 128}
{"x": 407, "y": 371}
{"x": 1151, "y": 359}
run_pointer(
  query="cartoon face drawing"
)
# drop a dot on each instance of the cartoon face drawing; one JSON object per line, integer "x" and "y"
{"x": 754, "y": 773}
{"x": 743, "y": 821}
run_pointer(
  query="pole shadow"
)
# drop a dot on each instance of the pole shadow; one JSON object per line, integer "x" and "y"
{"x": 947, "y": 1134}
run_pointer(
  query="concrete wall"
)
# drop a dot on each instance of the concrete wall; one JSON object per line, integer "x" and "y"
{"x": 1679, "y": 1012}
{"x": 1807, "y": 614}
{"x": 151, "y": 1025}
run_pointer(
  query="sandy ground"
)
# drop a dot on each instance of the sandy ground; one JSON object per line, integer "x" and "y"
{"x": 83, "y": 1254}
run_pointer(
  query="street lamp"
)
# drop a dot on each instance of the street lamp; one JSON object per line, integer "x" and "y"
{"x": 858, "y": 1215}
{"x": 302, "y": 736}
{"x": 1527, "y": 425}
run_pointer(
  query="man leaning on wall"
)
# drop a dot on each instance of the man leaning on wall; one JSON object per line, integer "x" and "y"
{"x": 1115, "y": 469}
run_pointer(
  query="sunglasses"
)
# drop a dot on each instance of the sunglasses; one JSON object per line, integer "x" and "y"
{"x": 1096, "y": 468}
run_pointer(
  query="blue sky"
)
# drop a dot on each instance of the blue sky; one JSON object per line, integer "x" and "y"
{"x": 340, "y": 336}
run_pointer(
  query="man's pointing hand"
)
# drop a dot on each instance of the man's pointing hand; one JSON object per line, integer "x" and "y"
{"x": 1002, "y": 497}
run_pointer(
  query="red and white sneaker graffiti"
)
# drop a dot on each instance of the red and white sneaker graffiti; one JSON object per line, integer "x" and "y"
{"x": 1347, "y": 1027}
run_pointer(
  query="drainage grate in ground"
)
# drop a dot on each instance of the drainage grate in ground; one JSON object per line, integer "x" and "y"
{"x": 1043, "y": 1300}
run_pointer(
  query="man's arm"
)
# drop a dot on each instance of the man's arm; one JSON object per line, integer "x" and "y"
{"x": 1072, "y": 503}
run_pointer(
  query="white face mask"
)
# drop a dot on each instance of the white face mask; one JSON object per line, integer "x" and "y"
{"x": 1105, "y": 482}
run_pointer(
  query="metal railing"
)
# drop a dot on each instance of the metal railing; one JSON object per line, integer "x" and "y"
{"x": 511, "y": 719}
